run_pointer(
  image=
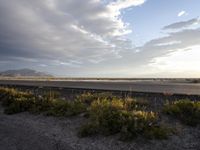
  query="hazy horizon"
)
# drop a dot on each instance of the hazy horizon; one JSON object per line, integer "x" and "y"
{"x": 102, "y": 38}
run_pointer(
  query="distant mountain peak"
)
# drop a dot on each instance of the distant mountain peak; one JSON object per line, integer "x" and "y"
{"x": 25, "y": 72}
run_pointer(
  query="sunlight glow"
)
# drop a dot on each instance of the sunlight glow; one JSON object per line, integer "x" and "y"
{"x": 182, "y": 62}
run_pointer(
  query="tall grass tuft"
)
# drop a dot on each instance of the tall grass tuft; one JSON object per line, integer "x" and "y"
{"x": 185, "y": 110}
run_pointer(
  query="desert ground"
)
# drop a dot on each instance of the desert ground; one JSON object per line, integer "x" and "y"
{"x": 149, "y": 86}
{"x": 26, "y": 131}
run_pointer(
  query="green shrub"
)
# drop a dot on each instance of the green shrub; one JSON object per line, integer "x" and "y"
{"x": 88, "y": 97}
{"x": 77, "y": 107}
{"x": 133, "y": 104}
{"x": 195, "y": 81}
{"x": 59, "y": 108}
{"x": 16, "y": 101}
{"x": 107, "y": 114}
{"x": 109, "y": 117}
{"x": 112, "y": 110}
{"x": 13, "y": 109}
{"x": 51, "y": 95}
{"x": 185, "y": 110}
{"x": 8, "y": 96}
{"x": 7, "y": 100}
{"x": 65, "y": 108}
{"x": 137, "y": 123}
{"x": 158, "y": 132}
{"x": 18, "y": 105}
{"x": 88, "y": 129}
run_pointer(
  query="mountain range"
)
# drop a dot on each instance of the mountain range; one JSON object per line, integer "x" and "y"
{"x": 24, "y": 73}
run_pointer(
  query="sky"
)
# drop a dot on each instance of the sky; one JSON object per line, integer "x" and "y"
{"x": 102, "y": 38}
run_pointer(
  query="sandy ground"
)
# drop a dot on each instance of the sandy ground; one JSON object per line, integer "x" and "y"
{"x": 25, "y": 131}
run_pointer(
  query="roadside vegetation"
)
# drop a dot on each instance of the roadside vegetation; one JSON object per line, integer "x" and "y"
{"x": 195, "y": 81}
{"x": 124, "y": 117}
{"x": 49, "y": 103}
{"x": 186, "y": 111}
{"x": 106, "y": 114}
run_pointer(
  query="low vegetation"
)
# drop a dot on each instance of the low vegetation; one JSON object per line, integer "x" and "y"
{"x": 16, "y": 101}
{"x": 195, "y": 81}
{"x": 88, "y": 98}
{"x": 107, "y": 114}
{"x": 185, "y": 110}
{"x": 115, "y": 116}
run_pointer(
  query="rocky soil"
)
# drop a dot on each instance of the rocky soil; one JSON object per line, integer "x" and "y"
{"x": 25, "y": 131}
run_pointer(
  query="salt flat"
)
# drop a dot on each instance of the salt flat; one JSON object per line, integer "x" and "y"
{"x": 123, "y": 85}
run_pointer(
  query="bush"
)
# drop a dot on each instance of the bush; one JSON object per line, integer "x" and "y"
{"x": 88, "y": 97}
{"x": 59, "y": 108}
{"x": 195, "y": 81}
{"x": 65, "y": 108}
{"x": 88, "y": 129}
{"x": 109, "y": 117}
{"x": 137, "y": 123}
{"x": 19, "y": 105}
{"x": 13, "y": 109}
{"x": 40, "y": 105}
{"x": 16, "y": 101}
{"x": 8, "y": 96}
{"x": 51, "y": 95}
{"x": 133, "y": 104}
{"x": 106, "y": 114}
{"x": 185, "y": 110}
{"x": 77, "y": 107}
{"x": 158, "y": 132}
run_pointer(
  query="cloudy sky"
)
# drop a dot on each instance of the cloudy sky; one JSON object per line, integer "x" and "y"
{"x": 101, "y": 38}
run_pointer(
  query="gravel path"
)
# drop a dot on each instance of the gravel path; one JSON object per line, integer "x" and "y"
{"x": 36, "y": 132}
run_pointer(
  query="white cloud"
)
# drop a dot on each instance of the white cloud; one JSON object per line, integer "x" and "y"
{"x": 115, "y": 12}
{"x": 183, "y": 60}
{"x": 168, "y": 43}
{"x": 122, "y": 4}
{"x": 182, "y": 13}
{"x": 183, "y": 24}
{"x": 42, "y": 65}
{"x": 62, "y": 29}
{"x": 81, "y": 37}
